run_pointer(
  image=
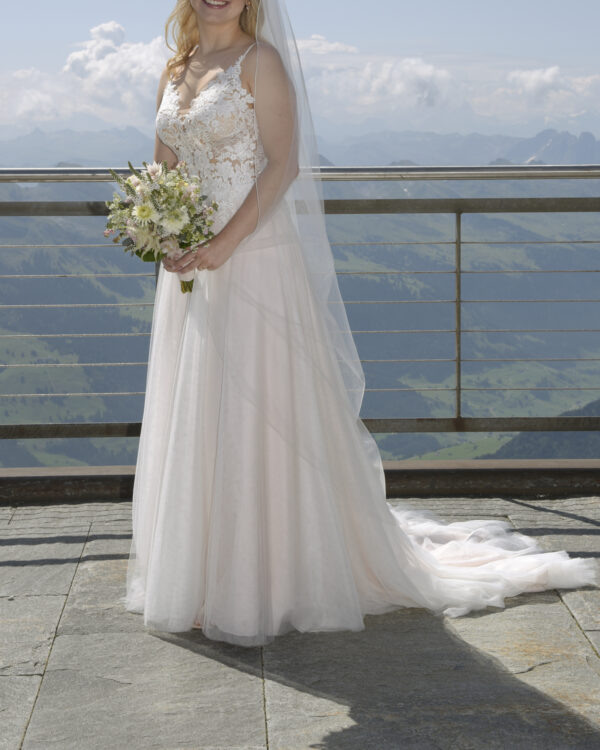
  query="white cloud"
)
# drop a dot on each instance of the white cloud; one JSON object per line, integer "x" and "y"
{"x": 342, "y": 81}
{"x": 106, "y": 41}
{"x": 545, "y": 96}
{"x": 114, "y": 81}
{"x": 107, "y": 78}
{"x": 318, "y": 45}
{"x": 538, "y": 83}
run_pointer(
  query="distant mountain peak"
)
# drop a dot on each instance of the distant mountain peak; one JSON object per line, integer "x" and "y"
{"x": 90, "y": 148}
{"x": 549, "y": 146}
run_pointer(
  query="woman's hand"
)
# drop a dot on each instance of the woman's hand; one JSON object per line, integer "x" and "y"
{"x": 209, "y": 256}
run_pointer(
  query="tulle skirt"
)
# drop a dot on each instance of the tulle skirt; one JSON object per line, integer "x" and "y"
{"x": 259, "y": 502}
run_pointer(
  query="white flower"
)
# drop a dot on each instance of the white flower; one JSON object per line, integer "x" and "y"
{"x": 144, "y": 213}
{"x": 175, "y": 221}
{"x": 154, "y": 170}
{"x": 143, "y": 237}
{"x": 170, "y": 246}
{"x": 142, "y": 190}
{"x": 153, "y": 244}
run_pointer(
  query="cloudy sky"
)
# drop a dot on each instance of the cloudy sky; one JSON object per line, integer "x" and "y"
{"x": 511, "y": 67}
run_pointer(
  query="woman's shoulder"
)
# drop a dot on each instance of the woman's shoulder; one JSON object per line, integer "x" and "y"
{"x": 262, "y": 47}
{"x": 264, "y": 54}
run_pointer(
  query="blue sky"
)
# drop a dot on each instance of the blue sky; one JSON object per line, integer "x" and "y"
{"x": 511, "y": 67}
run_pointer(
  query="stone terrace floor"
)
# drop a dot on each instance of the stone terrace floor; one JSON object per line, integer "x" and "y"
{"x": 81, "y": 673}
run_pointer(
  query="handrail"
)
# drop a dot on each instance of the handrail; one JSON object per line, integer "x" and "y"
{"x": 416, "y": 172}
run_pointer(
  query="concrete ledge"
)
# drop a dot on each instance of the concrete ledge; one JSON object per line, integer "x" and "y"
{"x": 65, "y": 484}
{"x": 544, "y": 478}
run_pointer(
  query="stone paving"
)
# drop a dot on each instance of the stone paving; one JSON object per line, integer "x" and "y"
{"x": 81, "y": 673}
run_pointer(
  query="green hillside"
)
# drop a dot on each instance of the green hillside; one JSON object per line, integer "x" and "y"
{"x": 555, "y": 444}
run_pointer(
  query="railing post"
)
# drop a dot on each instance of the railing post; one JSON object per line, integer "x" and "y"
{"x": 458, "y": 315}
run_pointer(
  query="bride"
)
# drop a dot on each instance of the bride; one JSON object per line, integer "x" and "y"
{"x": 259, "y": 502}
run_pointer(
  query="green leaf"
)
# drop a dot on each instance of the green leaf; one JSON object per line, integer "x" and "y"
{"x": 117, "y": 177}
{"x": 135, "y": 171}
{"x": 130, "y": 190}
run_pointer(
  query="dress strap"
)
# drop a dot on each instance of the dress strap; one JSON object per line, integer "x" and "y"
{"x": 246, "y": 52}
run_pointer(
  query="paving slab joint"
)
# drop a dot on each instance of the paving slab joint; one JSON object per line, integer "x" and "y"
{"x": 585, "y": 632}
{"x": 53, "y": 639}
{"x": 264, "y": 695}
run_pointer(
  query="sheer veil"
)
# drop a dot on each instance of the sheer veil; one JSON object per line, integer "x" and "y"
{"x": 259, "y": 502}
{"x": 297, "y": 186}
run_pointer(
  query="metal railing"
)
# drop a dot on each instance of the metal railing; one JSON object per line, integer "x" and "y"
{"x": 458, "y": 207}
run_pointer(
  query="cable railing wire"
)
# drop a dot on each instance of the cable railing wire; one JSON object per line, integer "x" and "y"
{"x": 458, "y": 206}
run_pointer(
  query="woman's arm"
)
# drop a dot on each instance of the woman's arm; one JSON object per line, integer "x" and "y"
{"x": 275, "y": 108}
{"x": 161, "y": 151}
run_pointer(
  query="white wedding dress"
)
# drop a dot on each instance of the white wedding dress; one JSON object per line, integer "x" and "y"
{"x": 259, "y": 503}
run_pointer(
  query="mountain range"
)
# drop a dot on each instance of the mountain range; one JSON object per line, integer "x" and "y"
{"x": 428, "y": 148}
{"x": 116, "y": 146}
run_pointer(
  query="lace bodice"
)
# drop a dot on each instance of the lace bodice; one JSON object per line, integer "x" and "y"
{"x": 216, "y": 137}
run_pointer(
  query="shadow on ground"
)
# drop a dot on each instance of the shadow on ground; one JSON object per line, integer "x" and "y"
{"x": 407, "y": 682}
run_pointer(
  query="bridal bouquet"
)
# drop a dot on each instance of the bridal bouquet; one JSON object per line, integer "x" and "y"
{"x": 162, "y": 213}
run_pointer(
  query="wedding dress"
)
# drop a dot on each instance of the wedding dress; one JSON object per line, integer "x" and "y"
{"x": 259, "y": 503}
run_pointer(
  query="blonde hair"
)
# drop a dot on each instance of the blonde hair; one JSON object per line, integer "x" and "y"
{"x": 183, "y": 27}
